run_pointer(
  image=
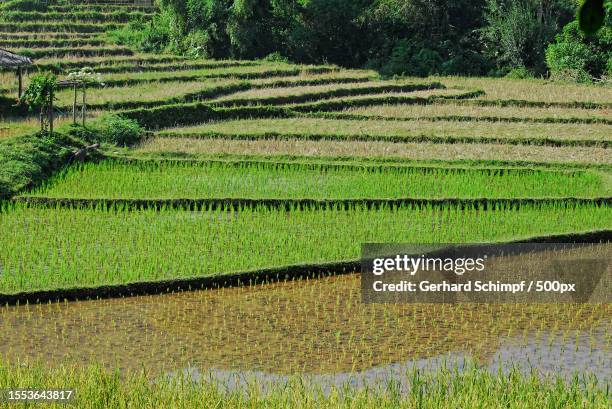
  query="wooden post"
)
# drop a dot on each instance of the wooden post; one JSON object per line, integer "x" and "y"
{"x": 51, "y": 112}
{"x": 83, "y": 107}
{"x": 20, "y": 79}
{"x": 74, "y": 105}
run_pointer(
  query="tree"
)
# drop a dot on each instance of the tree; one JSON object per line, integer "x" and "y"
{"x": 578, "y": 56}
{"x": 591, "y": 16}
{"x": 41, "y": 94}
{"x": 517, "y": 32}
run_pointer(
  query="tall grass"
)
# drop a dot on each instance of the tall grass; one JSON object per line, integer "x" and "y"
{"x": 58, "y": 248}
{"x": 99, "y": 388}
{"x": 168, "y": 180}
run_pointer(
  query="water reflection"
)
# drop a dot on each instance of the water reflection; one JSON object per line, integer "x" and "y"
{"x": 316, "y": 327}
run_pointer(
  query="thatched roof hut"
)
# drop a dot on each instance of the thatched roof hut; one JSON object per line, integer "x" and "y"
{"x": 12, "y": 60}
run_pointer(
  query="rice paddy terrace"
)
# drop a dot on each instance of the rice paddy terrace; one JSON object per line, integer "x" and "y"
{"x": 259, "y": 165}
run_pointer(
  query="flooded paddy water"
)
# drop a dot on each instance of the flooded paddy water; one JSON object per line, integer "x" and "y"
{"x": 318, "y": 328}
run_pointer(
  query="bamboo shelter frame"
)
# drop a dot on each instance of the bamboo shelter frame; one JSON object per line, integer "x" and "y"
{"x": 15, "y": 61}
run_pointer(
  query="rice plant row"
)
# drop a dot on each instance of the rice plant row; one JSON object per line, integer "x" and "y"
{"x": 217, "y": 179}
{"x": 99, "y": 388}
{"x": 61, "y": 248}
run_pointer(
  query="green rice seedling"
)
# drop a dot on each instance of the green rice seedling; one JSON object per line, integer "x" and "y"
{"x": 100, "y": 388}
{"x": 292, "y": 327}
{"x": 60, "y": 248}
{"x": 218, "y": 179}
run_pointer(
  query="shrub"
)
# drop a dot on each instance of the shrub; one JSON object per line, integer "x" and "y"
{"x": 465, "y": 62}
{"x": 579, "y": 57}
{"x": 276, "y": 57}
{"x": 408, "y": 58}
{"x": 119, "y": 131}
{"x": 516, "y": 32}
{"x": 519, "y": 73}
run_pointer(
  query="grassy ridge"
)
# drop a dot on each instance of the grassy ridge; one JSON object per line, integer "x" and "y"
{"x": 57, "y": 27}
{"x": 255, "y": 74}
{"x": 196, "y": 113}
{"x": 74, "y": 51}
{"x": 180, "y": 114}
{"x": 417, "y": 138}
{"x": 198, "y": 180}
{"x": 313, "y": 95}
{"x": 67, "y": 43}
{"x": 81, "y": 16}
{"x": 463, "y": 110}
{"x": 369, "y": 100}
{"x": 483, "y": 154}
{"x": 27, "y": 160}
{"x": 143, "y": 154}
{"x": 64, "y": 248}
{"x": 392, "y": 131}
{"x": 523, "y": 103}
{"x": 136, "y": 62}
{"x": 464, "y": 118}
{"x": 176, "y": 92}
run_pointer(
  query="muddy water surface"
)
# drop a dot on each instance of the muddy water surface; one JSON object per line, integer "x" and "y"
{"x": 315, "y": 327}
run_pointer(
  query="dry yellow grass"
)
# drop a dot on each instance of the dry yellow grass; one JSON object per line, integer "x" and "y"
{"x": 402, "y": 128}
{"x": 22, "y": 126}
{"x": 285, "y": 91}
{"x": 413, "y": 94}
{"x": 108, "y": 60}
{"x": 417, "y": 151}
{"x": 144, "y": 92}
{"x": 424, "y": 111}
{"x": 531, "y": 90}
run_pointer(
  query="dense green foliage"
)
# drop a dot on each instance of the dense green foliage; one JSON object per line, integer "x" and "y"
{"x": 51, "y": 248}
{"x": 23, "y": 5}
{"x": 30, "y": 159}
{"x": 395, "y": 37}
{"x": 580, "y": 57}
{"x": 411, "y": 37}
{"x": 119, "y": 131}
{"x": 40, "y": 90}
{"x": 173, "y": 180}
{"x": 517, "y": 31}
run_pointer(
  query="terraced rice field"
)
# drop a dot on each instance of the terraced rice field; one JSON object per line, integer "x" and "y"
{"x": 54, "y": 247}
{"x": 269, "y": 180}
{"x": 251, "y": 165}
